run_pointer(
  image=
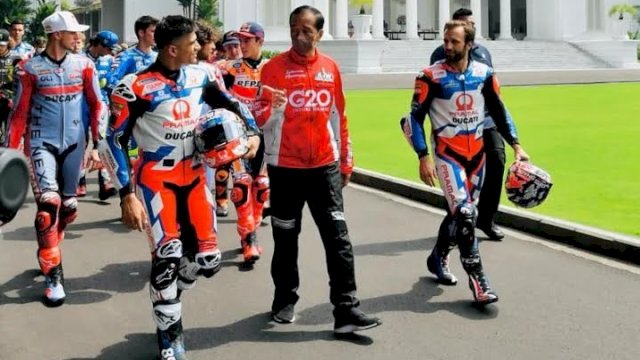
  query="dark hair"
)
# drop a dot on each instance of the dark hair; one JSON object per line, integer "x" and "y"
{"x": 462, "y": 13}
{"x": 17, "y": 22}
{"x": 469, "y": 31}
{"x": 304, "y": 8}
{"x": 171, "y": 28}
{"x": 143, "y": 23}
{"x": 206, "y": 33}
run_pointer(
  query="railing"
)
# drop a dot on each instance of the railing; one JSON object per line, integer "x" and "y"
{"x": 424, "y": 34}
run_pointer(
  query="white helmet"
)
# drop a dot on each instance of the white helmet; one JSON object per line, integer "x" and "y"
{"x": 220, "y": 137}
{"x": 527, "y": 185}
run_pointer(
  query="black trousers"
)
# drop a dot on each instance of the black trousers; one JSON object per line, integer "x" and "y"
{"x": 494, "y": 176}
{"x": 321, "y": 189}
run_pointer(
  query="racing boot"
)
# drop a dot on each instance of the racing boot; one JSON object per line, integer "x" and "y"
{"x": 482, "y": 292}
{"x": 107, "y": 189}
{"x": 54, "y": 287}
{"x": 438, "y": 264}
{"x": 250, "y": 249}
{"x": 81, "y": 190}
{"x": 171, "y": 342}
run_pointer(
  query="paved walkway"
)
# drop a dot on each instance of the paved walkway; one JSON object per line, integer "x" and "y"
{"x": 555, "y": 302}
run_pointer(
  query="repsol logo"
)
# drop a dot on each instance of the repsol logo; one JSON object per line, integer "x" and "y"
{"x": 248, "y": 83}
{"x": 310, "y": 98}
{"x": 179, "y": 136}
{"x": 60, "y": 98}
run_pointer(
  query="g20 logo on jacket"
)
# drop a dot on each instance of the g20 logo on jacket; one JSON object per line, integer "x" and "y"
{"x": 310, "y": 99}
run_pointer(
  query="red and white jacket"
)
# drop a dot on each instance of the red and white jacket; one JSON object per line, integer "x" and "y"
{"x": 311, "y": 130}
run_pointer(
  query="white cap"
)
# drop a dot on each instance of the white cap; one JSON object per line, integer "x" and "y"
{"x": 62, "y": 21}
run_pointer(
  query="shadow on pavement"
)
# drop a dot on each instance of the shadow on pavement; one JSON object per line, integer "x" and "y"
{"x": 395, "y": 248}
{"x": 420, "y": 299}
{"x": 28, "y": 233}
{"x": 256, "y": 328}
{"x": 114, "y": 278}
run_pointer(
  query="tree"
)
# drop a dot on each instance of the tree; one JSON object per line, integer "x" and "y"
{"x": 44, "y": 9}
{"x": 65, "y": 5}
{"x": 208, "y": 11}
{"x": 362, "y": 4}
{"x": 14, "y": 10}
{"x": 187, "y": 7}
{"x": 621, "y": 9}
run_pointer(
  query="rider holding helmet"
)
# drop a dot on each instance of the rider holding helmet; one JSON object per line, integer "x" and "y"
{"x": 161, "y": 106}
{"x": 454, "y": 92}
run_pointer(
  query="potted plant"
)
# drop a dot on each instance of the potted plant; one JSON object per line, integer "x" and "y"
{"x": 362, "y": 21}
{"x": 621, "y": 24}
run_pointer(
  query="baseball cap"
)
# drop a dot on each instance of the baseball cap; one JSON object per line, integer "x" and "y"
{"x": 251, "y": 29}
{"x": 107, "y": 39}
{"x": 230, "y": 38}
{"x": 62, "y": 21}
{"x": 4, "y": 37}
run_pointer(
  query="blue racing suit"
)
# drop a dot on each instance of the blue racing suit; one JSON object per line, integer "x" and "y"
{"x": 48, "y": 105}
{"x": 24, "y": 50}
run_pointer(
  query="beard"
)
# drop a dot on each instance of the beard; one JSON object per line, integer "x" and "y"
{"x": 455, "y": 57}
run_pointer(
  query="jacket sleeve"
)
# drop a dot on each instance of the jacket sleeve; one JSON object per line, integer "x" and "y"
{"x": 93, "y": 95}
{"x": 26, "y": 83}
{"x": 122, "y": 65}
{"x": 346, "y": 151}
{"x": 497, "y": 110}
{"x": 126, "y": 108}
{"x": 413, "y": 124}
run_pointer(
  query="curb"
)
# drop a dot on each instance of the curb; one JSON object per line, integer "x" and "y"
{"x": 603, "y": 242}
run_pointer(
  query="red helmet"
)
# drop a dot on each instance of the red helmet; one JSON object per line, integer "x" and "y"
{"x": 220, "y": 137}
{"x": 527, "y": 185}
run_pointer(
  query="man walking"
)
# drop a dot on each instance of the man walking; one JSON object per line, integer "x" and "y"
{"x": 308, "y": 152}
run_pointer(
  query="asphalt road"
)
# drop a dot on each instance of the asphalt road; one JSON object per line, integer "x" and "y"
{"x": 555, "y": 302}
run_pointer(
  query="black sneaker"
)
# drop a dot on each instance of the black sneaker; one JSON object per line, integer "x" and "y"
{"x": 492, "y": 230}
{"x": 286, "y": 315}
{"x": 354, "y": 320}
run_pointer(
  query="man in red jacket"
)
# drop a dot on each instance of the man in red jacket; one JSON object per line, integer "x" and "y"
{"x": 308, "y": 153}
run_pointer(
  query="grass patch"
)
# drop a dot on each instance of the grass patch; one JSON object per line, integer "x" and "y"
{"x": 585, "y": 136}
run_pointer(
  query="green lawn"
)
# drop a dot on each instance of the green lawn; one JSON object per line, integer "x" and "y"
{"x": 585, "y": 136}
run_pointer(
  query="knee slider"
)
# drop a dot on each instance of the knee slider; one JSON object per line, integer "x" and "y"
{"x": 465, "y": 218}
{"x": 241, "y": 186}
{"x": 164, "y": 271}
{"x": 261, "y": 186}
{"x": 48, "y": 208}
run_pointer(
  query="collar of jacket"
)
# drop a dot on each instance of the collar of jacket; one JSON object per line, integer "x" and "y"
{"x": 301, "y": 59}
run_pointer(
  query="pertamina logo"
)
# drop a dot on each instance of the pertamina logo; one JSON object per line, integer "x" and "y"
{"x": 464, "y": 102}
{"x": 181, "y": 110}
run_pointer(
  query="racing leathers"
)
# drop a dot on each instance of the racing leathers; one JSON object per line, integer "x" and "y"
{"x": 104, "y": 67}
{"x": 24, "y": 50}
{"x": 161, "y": 107}
{"x": 494, "y": 150}
{"x": 307, "y": 149}
{"x": 128, "y": 62}
{"x": 455, "y": 103}
{"x": 48, "y": 105}
{"x": 250, "y": 181}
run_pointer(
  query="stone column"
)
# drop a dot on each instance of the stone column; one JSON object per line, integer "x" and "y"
{"x": 378, "y": 19}
{"x": 411, "y": 13}
{"x": 476, "y": 9}
{"x": 505, "y": 20}
{"x": 444, "y": 15}
{"x": 342, "y": 20}
{"x": 323, "y": 6}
